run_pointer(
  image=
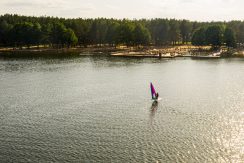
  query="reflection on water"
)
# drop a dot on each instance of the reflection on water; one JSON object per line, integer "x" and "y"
{"x": 154, "y": 106}
{"x": 153, "y": 110}
{"x": 98, "y": 109}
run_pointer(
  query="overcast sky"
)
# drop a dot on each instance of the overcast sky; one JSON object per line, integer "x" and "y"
{"x": 201, "y": 10}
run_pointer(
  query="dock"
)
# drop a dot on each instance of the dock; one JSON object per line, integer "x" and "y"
{"x": 161, "y": 54}
{"x": 141, "y": 55}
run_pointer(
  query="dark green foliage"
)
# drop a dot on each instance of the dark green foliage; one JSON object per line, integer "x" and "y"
{"x": 4, "y": 31}
{"x": 214, "y": 35}
{"x": 159, "y": 29}
{"x": 174, "y": 31}
{"x": 81, "y": 30}
{"x": 240, "y": 33}
{"x": 36, "y": 34}
{"x": 19, "y": 31}
{"x": 229, "y": 38}
{"x": 185, "y": 31}
{"x": 111, "y": 35}
{"x": 125, "y": 33}
{"x": 141, "y": 35}
{"x": 57, "y": 34}
{"x": 46, "y": 33}
{"x": 199, "y": 38}
{"x": 21, "y": 34}
{"x": 70, "y": 37}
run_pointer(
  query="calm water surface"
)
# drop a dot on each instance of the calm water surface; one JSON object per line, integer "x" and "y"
{"x": 98, "y": 109}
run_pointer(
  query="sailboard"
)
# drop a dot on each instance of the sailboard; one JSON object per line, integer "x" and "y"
{"x": 154, "y": 93}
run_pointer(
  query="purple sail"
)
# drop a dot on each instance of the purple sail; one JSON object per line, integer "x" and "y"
{"x": 153, "y": 92}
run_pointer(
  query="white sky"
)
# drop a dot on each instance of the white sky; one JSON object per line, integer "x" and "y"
{"x": 201, "y": 10}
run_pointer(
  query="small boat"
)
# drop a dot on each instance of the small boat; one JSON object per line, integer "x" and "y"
{"x": 154, "y": 94}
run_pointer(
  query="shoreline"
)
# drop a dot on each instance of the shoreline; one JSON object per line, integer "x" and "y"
{"x": 122, "y": 51}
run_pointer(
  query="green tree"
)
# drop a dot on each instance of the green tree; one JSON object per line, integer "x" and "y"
{"x": 112, "y": 33}
{"x": 159, "y": 30}
{"x": 214, "y": 35}
{"x": 240, "y": 34}
{"x": 185, "y": 31}
{"x": 125, "y": 33}
{"x": 141, "y": 35}
{"x": 70, "y": 37}
{"x": 4, "y": 30}
{"x": 229, "y": 38}
{"x": 163, "y": 32}
{"x": 21, "y": 31}
{"x": 81, "y": 29}
{"x": 36, "y": 34}
{"x": 199, "y": 37}
{"x": 46, "y": 33}
{"x": 174, "y": 32}
{"x": 57, "y": 34}
{"x": 21, "y": 34}
{"x": 102, "y": 31}
{"x": 93, "y": 33}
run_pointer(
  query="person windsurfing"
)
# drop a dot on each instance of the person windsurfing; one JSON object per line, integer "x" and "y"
{"x": 155, "y": 95}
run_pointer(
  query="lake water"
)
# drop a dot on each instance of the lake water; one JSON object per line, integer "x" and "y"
{"x": 98, "y": 109}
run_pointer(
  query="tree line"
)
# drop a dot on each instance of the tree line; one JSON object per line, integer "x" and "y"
{"x": 215, "y": 35}
{"x": 19, "y": 31}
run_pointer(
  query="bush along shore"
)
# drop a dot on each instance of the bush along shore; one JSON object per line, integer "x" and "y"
{"x": 24, "y": 34}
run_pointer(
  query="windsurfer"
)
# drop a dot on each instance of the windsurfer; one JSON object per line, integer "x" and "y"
{"x": 157, "y": 95}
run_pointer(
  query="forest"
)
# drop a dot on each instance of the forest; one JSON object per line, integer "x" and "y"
{"x": 25, "y": 31}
